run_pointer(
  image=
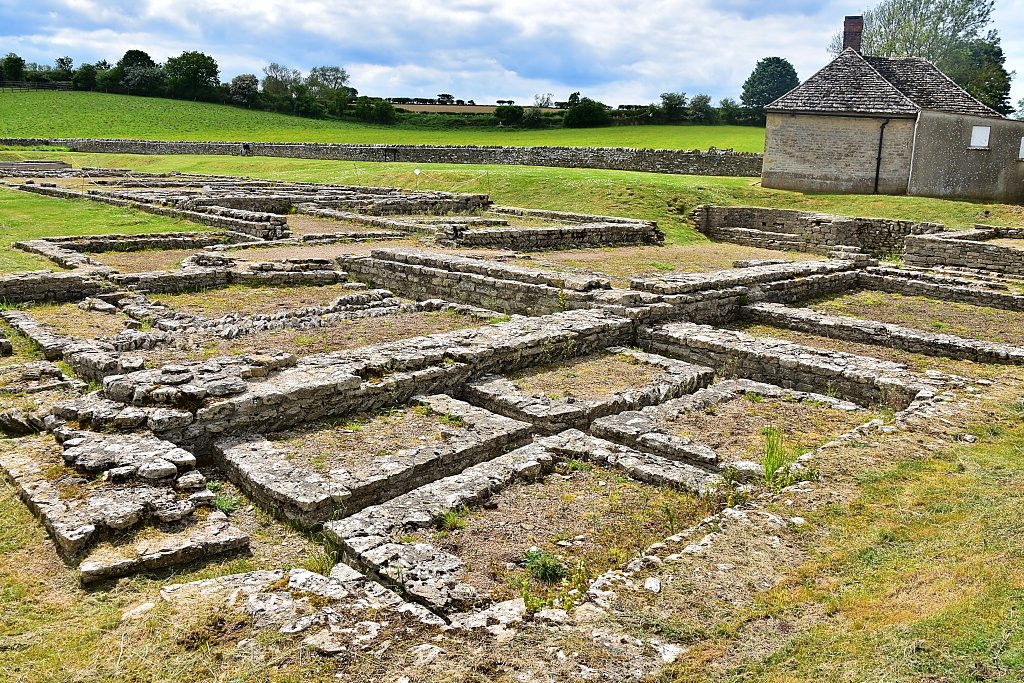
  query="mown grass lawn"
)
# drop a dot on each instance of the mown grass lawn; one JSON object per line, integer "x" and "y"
{"x": 81, "y": 114}
{"x": 920, "y": 577}
{"x": 25, "y": 216}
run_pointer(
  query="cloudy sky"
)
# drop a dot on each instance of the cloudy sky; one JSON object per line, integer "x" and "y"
{"x": 474, "y": 49}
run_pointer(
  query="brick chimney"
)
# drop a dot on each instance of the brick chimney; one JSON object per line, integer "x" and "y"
{"x": 853, "y": 27}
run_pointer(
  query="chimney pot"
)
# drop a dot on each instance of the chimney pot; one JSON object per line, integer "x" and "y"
{"x": 853, "y": 28}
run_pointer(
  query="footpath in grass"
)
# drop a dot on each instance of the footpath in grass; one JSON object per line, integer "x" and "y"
{"x": 25, "y": 216}
{"x": 99, "y": 115}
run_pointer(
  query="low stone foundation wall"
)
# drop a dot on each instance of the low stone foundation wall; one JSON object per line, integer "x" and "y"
{"x": 866, "y": 381}
{"x": 557, "y": 237}
{"x": 913, "y": 283}
{"x": 308, "y": 498}
{"x": 502, "y": 288}
{"x": 687, "y": 162}
{"x": 967, "y": 249}
{"x": 47, "y": 286}
{"x": 787, "y": 229}
{"x": 882, "y": 334}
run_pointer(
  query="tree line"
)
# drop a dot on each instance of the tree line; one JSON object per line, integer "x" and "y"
{"x": 323, "y": 92}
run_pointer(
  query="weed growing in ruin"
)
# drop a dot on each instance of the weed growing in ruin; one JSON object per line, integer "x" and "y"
{"x": 544, "y": 566}
{"x": 423, "y": 410}
{"x": 670, "y": 517}
{"x": 532, "y": 602}
{"x": 452, "y": 520}
{"x": 775, "y": 456}
{"x": 753, "y": 396}
{"x": 574, "y": 465}
{"x": 895, "y": 257}
{"x": 226, "y": 504}
{"x": 728, "y": 494}
{"x": 451, "y": 420}
{"x": 213, "y": 485}
{"x": 777, "y": 462}
{"x": 322, "y": 559}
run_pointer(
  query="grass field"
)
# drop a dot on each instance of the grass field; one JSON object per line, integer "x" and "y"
{"x": 79, "y": 114}
{"x": 662, "y": 198}
{"x": 25, "y": 216}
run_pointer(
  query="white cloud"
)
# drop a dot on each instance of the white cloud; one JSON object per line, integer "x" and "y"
{"x": 617, "y": 51}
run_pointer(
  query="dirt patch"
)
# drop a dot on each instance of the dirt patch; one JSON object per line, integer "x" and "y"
{"x": 244, "y": 300}
{"x": 355, "y": 442}
{"x": 915, "y": 361}
{"x": 328, "y": 251}
{"x": 592, "y": 377}
{"x": 71, "y": 321}
{"x": 146, "y": 260}
{"x": 735, "y": 429}
{"x": 622, "y": 263}
{"x": 346, "y": 334}
{"x": 918, "y": 312}
{"x": 587, "y": 519}
{"x": 301, "y": 224}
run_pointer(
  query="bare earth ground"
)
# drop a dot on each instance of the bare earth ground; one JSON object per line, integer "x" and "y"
{"x": 341, "y": 336}
{"x": 591, "y": 518}
{"x": 244, "y": 300}
{"x": 145, "y": 260}
{"x": 72, "y": 321}
{"x": 591, "y": 377}
{"x": 735, "y": 429}
{"x": 301, "y": 224}
{"x": 623, "y": 263}
{"x": 965, "y": 320}
{"x": 915, "y": 361}
{"x": 352, "y": 443}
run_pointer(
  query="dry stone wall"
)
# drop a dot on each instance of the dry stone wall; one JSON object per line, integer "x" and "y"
{"x": 689, "y": 162}
{"x": 967, "y": 249}
{"x": 882, "y": 334}
{"x": 802, "y": 231}
{"x": 857, "y": 378}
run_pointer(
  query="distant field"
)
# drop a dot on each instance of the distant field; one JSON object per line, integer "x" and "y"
{"x": 78, "y": 114}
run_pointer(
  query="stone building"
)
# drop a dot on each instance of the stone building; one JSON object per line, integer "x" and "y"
{"x": 891, "y": 126}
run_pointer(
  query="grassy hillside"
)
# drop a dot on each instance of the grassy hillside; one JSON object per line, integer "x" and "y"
{"x": 79, "y": 114}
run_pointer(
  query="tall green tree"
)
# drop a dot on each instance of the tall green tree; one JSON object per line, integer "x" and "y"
{"x": 673, "y": 106}
{"x": 771, "y": 78}
{"x": 64, "y": 68}
{"x": 586, "y": 113}
{"x": 85, "y": 77}
{"x": 701, "y": 111}
{"x": 937, "y": 30}
{"x": 13, "y": 67}
{"x": 244, "y": 89}
{"x": 980, "y": 70}
{"x": 192, "y": 75}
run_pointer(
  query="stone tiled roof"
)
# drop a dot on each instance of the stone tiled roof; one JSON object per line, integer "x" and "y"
{"x": 929, "y": 88}
{"x": 853, "y": 84}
